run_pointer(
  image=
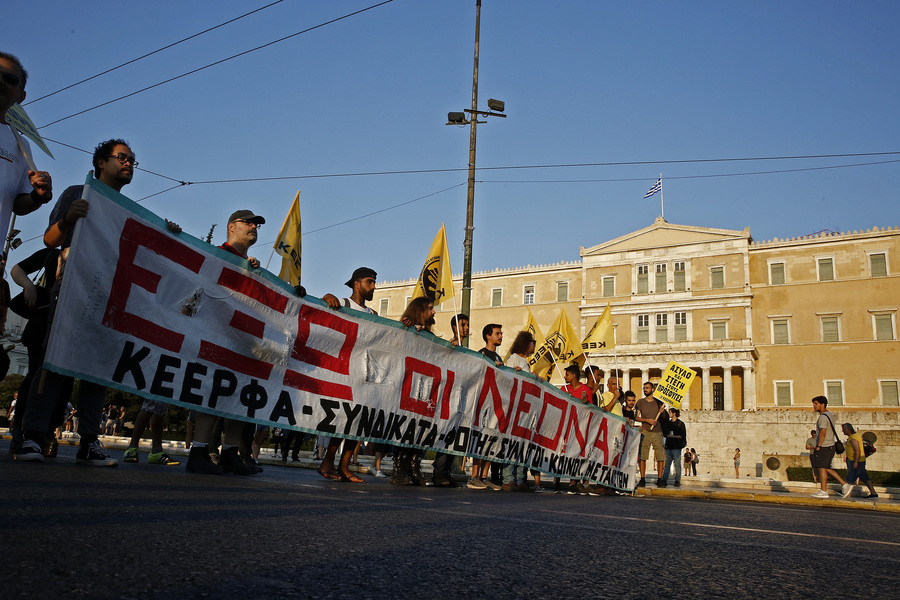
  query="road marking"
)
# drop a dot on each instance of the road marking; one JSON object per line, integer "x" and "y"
{"x": 727, "y": 527}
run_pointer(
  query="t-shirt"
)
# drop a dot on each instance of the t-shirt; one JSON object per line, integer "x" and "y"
{"x": 492, "y": 355}
{"x": 349, "y": 303}
{"x": 62, "y": 206}
{"x": 580, "y": 391}
{"x": 13, "y": 174}
{"x": 515, "y": 360}
{"x": 616, "y": 407}
{"x": 648, "y": 408}
{"x": 851, "y": 456}
{"x": 825, "y": 421}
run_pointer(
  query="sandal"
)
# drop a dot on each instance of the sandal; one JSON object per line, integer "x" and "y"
{"x": 351, "y": 478}
{"x": 333, "y": 476}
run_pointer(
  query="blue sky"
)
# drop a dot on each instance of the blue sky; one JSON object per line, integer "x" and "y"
{"x": 585, "y": 82}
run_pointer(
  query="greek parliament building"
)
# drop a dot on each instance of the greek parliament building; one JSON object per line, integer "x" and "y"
{"x": 765, "y": 325}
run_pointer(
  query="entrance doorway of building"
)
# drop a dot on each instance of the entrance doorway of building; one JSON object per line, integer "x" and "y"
{"x": 718, "y": 396}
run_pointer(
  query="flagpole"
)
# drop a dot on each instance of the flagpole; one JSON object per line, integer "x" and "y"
{"x": 616, "y": 359}
{"x": 662, "y": 204}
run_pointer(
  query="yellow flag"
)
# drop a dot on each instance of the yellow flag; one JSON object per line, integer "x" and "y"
{"x": 436, "y": 280}
{"x": 561, "y": 344}
{"x": 288, "y": 244}
{"x": 600, "y": 337}
{"x": 531, "y": 327}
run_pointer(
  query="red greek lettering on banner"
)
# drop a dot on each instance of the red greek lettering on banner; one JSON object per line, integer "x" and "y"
{"x": 340, "y": 364}
{"x": 560, "y": 404}
{"x": 257, "y": 291}
{"x": 529, "y": 388}
{"x": 135, "y": 235}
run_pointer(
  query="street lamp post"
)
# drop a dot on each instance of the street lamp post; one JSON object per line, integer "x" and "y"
{"x": 459, "y": 118}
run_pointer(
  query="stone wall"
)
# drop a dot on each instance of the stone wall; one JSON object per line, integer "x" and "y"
{"x": 715, "y": 435}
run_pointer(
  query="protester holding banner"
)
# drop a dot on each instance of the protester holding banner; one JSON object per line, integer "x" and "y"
{"x": 23, "y": 189}
{"x": 114, "y": 164}
{"x": 32, "y": 304}
{"x": 611, "y": 400}
{"x": 408, "y": 463}
{"x": 443, "y": 461}
{"x": 522, "y": 348}
{"x": 362, "y": 282}
{"x": 492, "y": 334}
{"x": 243, "y": 231}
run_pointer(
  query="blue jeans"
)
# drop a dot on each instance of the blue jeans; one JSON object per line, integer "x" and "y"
{"x": 673, "y": 455}
{"x": 513, "y": 474}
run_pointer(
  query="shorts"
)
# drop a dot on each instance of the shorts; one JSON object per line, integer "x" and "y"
{"x": 656, "y": 439}
{"x": 155, "y": 407}
{"x": 857, "y": 473}
{"x": 821, "y": 458}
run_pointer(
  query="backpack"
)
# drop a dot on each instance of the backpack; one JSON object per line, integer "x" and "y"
{"x": 696, "y": 460}
{"x": 868, "y": 448}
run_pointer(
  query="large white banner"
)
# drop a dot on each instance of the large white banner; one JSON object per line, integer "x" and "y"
{"x": 176, "y": 319}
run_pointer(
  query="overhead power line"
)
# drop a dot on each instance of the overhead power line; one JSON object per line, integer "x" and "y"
{"x": 218, "y": 62}
{"x": 134, "y": 60}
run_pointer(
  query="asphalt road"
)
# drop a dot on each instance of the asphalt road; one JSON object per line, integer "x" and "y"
{"x": 143, "y": 531}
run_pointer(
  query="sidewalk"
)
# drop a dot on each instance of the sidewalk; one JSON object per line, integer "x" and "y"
{"x": 710, "y": 487}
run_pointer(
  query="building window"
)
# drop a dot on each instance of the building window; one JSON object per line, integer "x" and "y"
{"x": 680, "y": 326}
{"x": 884, "y": 327}
{"x": 679, "y": 276}
{"x": 528, "y": 294}
{"x": 717, "y": 278}
{"x": 878, "y": 265}
{"x": 890, "y": 393}
{"x": 496, "y": 297}
{"x": 780, "y": 334}
{"x": 826, "y": 269}
{"x": 383, "y": 307}
{"x": 643, "y": 329}
{"x": 643, "y": 278}
{"x": 830, "y": 331}
{"x": 776, "y": 274}
{"x": 609, "y": 287}
{"x": 834, "y": 391}
{"x": 783, "y": 393}
{"x": 408, "y": 300}
{"x": 662, "y": 327}
{"x": 660, "y": 278}
{"x": 719, "y": 330}
{"x": 562, "y": 291}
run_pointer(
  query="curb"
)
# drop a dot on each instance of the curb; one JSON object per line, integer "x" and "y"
{"x": 774, "y": 498}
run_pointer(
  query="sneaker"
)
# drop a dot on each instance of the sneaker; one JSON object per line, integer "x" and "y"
{"x": 524, "y": 487}
{"x": 95, "y": 455}
{"x": 131, "y": 455}
{"x": 380, "y": 474}
{"x": 157, "y": 458}
{"x": 537, "y": 489}
{"x": 583, "y": 489}
{"x": 820, "y": 494}
{"x": 29, "y": 451}
{"x": 252, "y": 462}
{"x": 593, "y": 490}
{"x": 573, "y": 490}
{"x": 846, "y": 490}
{"x": 199, "y": 462}
{"x": 509, "y": 487}
{"x": 677, "y": 484}
{"x": 642, "y": 483}
{"x": 231, "y": 462}
{"x": 662, "y": 483}
{"x": 474, "y": 484}
{"x": 491, "y": 485}
{"x": 873, "y": 495}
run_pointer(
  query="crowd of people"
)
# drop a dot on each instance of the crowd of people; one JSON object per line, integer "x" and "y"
{"x": 221, "y": 445}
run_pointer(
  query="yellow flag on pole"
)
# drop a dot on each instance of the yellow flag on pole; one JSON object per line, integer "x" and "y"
{"x": 600, "y": 337}
{"x": 436, "y": 279}
{"x": 288, "y": 244}
{"x": 561, "y": 344}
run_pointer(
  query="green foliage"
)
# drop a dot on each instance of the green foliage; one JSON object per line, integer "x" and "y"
{"x": 8, "y": 387}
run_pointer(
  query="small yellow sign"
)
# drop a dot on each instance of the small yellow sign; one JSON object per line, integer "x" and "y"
{"x": 674, "y": 384}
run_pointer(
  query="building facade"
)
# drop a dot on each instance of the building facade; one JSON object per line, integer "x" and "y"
{"x": 765, "y": 325}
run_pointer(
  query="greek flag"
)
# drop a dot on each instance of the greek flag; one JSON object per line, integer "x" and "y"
{"x": 657, "y": 187}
